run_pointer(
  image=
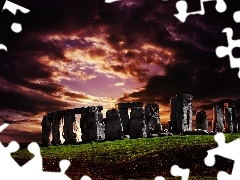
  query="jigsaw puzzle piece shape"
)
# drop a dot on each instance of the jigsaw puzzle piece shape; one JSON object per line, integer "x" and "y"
{"x": 222, "y": 51}
{"x": 182, "y": 11}
{"x": 35, "y": 164}
{"x": 9, "y": 164}
{"x": 182, "y": 6}
{"x": 12, "y": 7}
{"x": 177, "y": 171}
{"x": 227, "y": 150}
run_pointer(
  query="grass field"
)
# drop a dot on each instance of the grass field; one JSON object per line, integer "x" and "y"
{"x": 143, "y": 158}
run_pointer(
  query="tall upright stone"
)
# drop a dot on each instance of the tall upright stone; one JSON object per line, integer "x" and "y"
{"x": 123, "y": 110}
{"x": 113, "y": 125}
{"x": 56, "y": 128}
{"x": 181, "y": 113}
{"x": 137, "y": 123}
{"x": 68, "y": 133}
{"x": 201, "y": 120}
{"x": 125, "y": 120}
{"x": 46, "y": 130}
{"x": 228, "y": 122}
{"x": 89, "y": 125}
{"x": 100, "y": 125}
{"x": 217, "y": 123}
{"x": 230, "y": 118}
{"x": 234, "y": 118}
{"x": 153, "y": 125}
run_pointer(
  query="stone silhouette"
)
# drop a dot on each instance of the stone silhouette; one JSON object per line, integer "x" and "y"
{"x": 217, "y": 123}
{"x": 201, "y": 120}
{"x": 181, "y": 113}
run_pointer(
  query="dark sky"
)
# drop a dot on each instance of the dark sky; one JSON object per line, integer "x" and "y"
{"x": 73, "y": 53}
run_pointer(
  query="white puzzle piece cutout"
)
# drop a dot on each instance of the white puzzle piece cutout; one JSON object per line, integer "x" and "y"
{"x": 10, "y": 169}
{"x": 222, "y": 51}
{"x": 177, "y": 171}
{"x": 182, "y": 9}
{"x": 16, "y": 27}
{"x": 227, "y": 150}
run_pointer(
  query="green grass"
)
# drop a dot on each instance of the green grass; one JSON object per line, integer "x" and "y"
{"x": 129, "y": 152}
{"x": 127, "y": 148}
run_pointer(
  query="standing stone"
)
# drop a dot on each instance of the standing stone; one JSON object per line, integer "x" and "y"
{"x": 69, "y": 120}
{"x": 228, "y": 122}
{"x": 113, "y": 125}
{"x": 89, "y": 123}
{"x": 100, "y": 126}
{"x": 217, "y": 122}
{"x": 234, "y": 118}
{"x": 153, "y": 125}
{"x": 201, "y": 120}
{"x": 137, "y": 123}
{"x": 181, "y": 113}
{"x": 125, "y": 120}
{"x": 46, "y": 130}
{"x": 56, "y": 129}
{"x": 123, "y": 110}
{"x": 230, "y": 118}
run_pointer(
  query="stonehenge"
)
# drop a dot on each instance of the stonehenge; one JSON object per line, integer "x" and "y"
{"x": 132, "y": 120}
{"x": 61, "y": 127}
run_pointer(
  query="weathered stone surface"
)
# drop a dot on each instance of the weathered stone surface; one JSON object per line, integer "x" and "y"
{"x": 217, "y": 122}
{"x": 201, "y": 120}
{"x": 238, "y": 124}
{"x": 153, "y": 125}
{"x": 181, "y": 113}
{"x": 137, "y": 123}
{"x": 125, "y": 120}
{"x": 100, "y": 126}
{"x": 68, "y": 135}
{"x": 91, "y": 128}
{"x": 230, "y": 118}
{"x": 113, "y": 125}
{"x": 123, "y": 110}
{"x": 46, "y": 130}
{"x": 71, "y": 129}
